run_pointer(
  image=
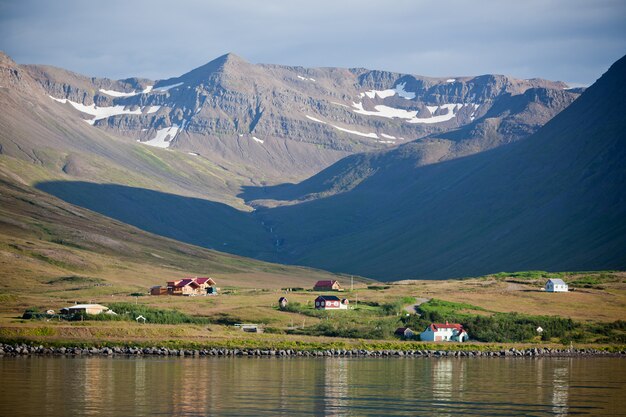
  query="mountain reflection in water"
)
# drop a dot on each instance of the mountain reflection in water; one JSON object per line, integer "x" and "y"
{"x": 120, "y": 386}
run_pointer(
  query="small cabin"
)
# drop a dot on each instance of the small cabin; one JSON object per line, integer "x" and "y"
{"x": 404, "y": 332}
{"x": 158, "y": 290}
{"x": 327, "y": 286}
{"x": 556, "y": 285}
{"x": 330, "y": 302}
{"x": 444, "y": 332}
{"x": 282, "y": 303}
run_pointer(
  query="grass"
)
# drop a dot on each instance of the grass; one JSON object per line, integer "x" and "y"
{"x": 515, "y": 327}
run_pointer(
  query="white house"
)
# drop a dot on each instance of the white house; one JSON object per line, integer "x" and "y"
{"x": 86, "y": 309}
{"x": 330, "y": 302}
{"x": 556, "y": 285}
{"x": 449, "y": 332}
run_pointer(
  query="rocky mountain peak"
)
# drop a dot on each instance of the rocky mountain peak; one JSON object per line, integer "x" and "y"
{"x": 5, "y": 59}
{"x": 226, "y": 64}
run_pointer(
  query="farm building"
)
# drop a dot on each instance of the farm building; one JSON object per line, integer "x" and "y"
{"x": 327, "y": 286}
{"x": 556, "y": 285}
{"x": 158, "y": 290}
{"x": 188, "y": 286}
{"x": 449, "y": 332}
{"x": 86, "y": 309}
{"x": 404, "y": 332}
{"x": 330, "y": 302}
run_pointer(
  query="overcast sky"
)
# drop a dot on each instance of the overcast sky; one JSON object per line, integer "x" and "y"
{"x": 569, "y": 40}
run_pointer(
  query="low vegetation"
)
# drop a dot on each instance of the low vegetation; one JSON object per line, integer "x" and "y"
{"x": 514, "y": 327}
{"x": 130, "y": 312}
{"x": 502, "y": 309}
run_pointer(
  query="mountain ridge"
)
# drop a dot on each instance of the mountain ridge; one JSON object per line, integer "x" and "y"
{"x": 532, "y": 204}
{"x": 234, "y": 143}
{"x": 303, "y": 119}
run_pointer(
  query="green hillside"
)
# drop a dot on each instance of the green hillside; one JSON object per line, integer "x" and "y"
{"x": 555, "y": 201}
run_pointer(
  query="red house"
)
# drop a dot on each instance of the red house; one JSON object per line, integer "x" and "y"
{"x": 190, "y": 286}
{"x": 327, "y": 286}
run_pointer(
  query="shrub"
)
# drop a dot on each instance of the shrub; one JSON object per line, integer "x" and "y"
{"x": 129, "y": 312}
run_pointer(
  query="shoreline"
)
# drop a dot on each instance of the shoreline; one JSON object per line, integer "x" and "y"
{"x": 23, "y": 349}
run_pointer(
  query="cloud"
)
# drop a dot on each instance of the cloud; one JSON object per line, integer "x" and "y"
{"x": 571, "y": 40}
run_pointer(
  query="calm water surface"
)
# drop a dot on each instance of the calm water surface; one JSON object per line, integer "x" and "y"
{"x": 120, "y": 386}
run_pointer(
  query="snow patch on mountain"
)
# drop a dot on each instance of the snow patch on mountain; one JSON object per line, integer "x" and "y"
{"x": 398, "y": 89}
{"x": 354, "y": 132}
{"x": 164, "y": 137}
{"x": 387, "y": 136}
{"x": 314, "y": 119}
{"x": 385, "y": 111}
{"x": 98, "y": 112}
{"x": 114, "y": 93}
{"x": 452, "y": 109}
{"x": 411, "y": 115}
{"x": 306, "y": 78}
{"x": 166, "y": 87}
{"x": 153, "y": 109}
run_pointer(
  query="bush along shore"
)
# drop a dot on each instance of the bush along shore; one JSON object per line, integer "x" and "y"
{"x": 23, "y": 349}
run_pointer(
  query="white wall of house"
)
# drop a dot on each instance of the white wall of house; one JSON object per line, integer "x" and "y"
{"x": 444, "y": 335}
{"x": 331, "y": 305}
{"x": 552, "y": 287}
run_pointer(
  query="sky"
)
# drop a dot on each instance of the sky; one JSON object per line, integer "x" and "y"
{"x": 569, "y": 40}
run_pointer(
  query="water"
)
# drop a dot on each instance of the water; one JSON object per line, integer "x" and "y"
{"x": 120, "y": 386}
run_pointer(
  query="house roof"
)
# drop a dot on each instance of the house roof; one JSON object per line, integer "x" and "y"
{"x": 401, "y": 330}
{"x": 187, "y": 281}
{"x": 436, "y": 326}
{"x": 557, "y": 281}
{"x": 86, "y": 306}
{"x": 328, "y": 298}
{"x": 328, "y": 284}
{"x": 184, "y": 282}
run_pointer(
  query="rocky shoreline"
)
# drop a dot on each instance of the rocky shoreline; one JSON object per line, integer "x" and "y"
{"x": 25, "y": 350}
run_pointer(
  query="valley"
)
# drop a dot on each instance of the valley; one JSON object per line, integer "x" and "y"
{"x": 485, "y": 173}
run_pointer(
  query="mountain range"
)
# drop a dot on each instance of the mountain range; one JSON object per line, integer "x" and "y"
{"x": 376, "y": 173}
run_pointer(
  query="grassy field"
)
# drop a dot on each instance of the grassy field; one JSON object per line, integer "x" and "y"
{"x": 54, "y": 254}
{"x": 380, "y": 308}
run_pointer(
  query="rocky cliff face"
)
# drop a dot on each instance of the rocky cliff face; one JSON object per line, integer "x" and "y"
{"x": 286, "y": 123}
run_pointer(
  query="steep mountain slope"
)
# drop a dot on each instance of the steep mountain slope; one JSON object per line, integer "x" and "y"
{"x": 46, "y": 241}
{"x": 230, "y": 126}
{"x": 553, "y": 201}
{"x": 43, "y": 140}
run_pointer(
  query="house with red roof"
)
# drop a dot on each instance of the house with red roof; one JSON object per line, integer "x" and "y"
{"x": 187, "y": 286}
{"x": 444, "y": 332}
{"x": 327, "y": 286}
